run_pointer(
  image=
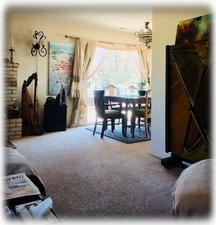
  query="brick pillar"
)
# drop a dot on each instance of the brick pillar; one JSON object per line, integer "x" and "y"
{"x": 13, "y": 126}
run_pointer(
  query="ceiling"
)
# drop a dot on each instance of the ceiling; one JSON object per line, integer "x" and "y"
{"x": 112, "y": 18}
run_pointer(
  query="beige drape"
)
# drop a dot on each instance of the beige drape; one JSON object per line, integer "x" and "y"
{"x": 144, "y": 53}
{"x": 84, "y": 51}
{"x": 88, "y": 59}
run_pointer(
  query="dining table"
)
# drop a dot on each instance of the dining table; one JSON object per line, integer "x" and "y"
{"x": 127, "y": 99}
{"x": 127, "y": 102}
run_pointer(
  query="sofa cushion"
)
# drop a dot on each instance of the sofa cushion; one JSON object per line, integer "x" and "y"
{"x": 192, "y": 191}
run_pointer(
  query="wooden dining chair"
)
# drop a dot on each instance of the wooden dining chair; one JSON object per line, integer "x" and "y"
{"x": 143, "y": 116}
{"x": 113, "y": 90}
{"x": 105, "y": 116}
{"x": 131, "y": 90}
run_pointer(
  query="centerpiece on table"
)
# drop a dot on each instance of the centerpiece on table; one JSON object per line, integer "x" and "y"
{"x": 142, "y": 87}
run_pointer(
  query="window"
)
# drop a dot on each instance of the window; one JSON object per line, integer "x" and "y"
{"x": 116, "y": 70}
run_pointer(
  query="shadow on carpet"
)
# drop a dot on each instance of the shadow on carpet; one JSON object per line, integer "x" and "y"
{"x": 139, "y": 135}
{"x": 9, "y": 144}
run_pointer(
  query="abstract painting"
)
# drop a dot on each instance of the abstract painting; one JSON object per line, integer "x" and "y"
{"x": 194, "y": 30}
{"x": 61, "y": 57}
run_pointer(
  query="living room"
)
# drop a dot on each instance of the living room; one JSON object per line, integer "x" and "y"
{"x": 164, "y": 23}
{"x": 21, "y": 23}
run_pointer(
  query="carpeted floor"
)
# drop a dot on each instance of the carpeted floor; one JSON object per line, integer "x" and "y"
{"x": 92, "y": 178}
{"x": 139, "y": 135}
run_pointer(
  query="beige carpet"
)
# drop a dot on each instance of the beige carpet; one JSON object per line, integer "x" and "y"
{"x": 90, "y": 177}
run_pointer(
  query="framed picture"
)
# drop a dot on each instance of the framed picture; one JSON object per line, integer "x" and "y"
{"x": 61, "y": 58}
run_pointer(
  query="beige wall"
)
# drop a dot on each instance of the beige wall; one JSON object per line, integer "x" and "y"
{"x": 165, "y": 22}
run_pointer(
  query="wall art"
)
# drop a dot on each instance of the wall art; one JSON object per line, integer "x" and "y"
{"x": 61, "y": 58}
{"x": 194, "y": 30}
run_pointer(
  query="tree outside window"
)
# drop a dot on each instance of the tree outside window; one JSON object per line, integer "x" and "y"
{"x": 116, "y": 70}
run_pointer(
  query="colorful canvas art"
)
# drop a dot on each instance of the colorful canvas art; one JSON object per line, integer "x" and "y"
{"x": 61, "y": 57}
{"x": 194, "y": 30}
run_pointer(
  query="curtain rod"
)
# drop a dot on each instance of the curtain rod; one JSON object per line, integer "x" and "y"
{"x": 67, "y": 36}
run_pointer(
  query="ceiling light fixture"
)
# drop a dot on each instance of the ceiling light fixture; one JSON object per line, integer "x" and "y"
{"x": 38, "y": 44}
{"x": 145, "y": 34}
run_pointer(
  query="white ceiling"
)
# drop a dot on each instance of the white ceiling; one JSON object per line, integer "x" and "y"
{"x": 128, "y": 19}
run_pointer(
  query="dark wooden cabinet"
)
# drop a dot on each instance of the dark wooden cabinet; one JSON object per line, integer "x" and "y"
{"x": 55, "y": 118}
{"x": 188, "y": 100}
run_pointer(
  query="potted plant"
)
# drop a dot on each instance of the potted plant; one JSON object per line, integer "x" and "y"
{"x": 142, "y": 87}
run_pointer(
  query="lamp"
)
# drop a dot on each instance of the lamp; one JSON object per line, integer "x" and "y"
{"x": 145, "y": 34}
{"x": 38, "y": 44}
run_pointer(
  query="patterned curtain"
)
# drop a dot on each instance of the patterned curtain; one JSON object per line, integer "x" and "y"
{"x": 84, "y": 51}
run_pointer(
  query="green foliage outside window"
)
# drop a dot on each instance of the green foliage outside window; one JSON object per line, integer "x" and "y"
{"x": 116, "y": 70}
